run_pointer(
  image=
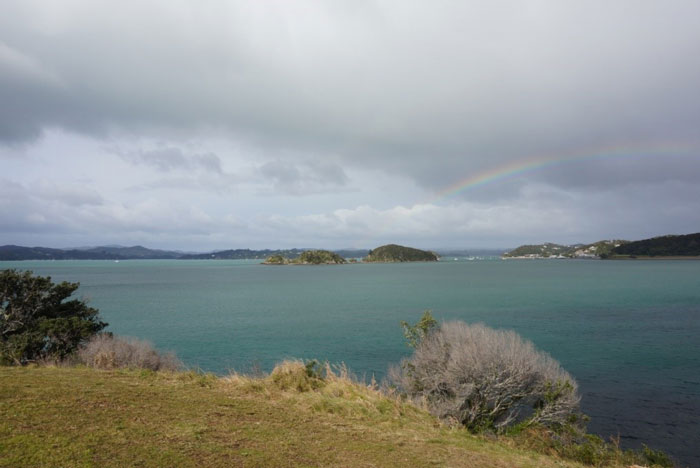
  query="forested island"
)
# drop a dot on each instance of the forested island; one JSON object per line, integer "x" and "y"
{"x": 390, "y": 253}
{"x": 393, "y": 253}
{"x": 309, "y": 257}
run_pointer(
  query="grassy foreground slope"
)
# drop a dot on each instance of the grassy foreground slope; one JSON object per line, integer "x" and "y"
{"x": 54, "y": 416}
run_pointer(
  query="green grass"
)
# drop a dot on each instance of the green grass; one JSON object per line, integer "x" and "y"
{"x": 75, "y": 417}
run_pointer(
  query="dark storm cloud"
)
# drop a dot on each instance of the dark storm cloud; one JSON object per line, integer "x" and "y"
{"x": 468, "y": 86}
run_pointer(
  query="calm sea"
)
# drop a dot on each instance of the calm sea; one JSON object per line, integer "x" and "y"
{"x": 628, "y": 331}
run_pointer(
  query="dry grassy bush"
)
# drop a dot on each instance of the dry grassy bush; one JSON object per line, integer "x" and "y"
{"x": 486, "y": 379}
{"x": 295, "y": 375}
{"x": 327, "y": 388}
{"x": 105, "y": 351}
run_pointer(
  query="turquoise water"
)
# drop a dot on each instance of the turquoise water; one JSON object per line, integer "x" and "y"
{"x": 627, "y": 331}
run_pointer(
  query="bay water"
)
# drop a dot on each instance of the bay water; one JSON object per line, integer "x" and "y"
{"x": 628, "y": 331}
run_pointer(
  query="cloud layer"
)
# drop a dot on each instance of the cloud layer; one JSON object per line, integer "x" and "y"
{"x": 338, "y": 122}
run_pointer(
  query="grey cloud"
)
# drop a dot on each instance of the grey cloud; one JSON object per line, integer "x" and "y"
{"x": 170, "y": 158}
{"x": 60, "y": 210}
{"x": 434, "y": 93}
{"x": 542, "y": 213}
{"x": 304, "y": 177}
{"x": 216, "y": 183}
{"x": 210, "y": 162}
{"x": 165, "y": 159}
{"x": 463, "y": 85}
{"x": 30, "y": 95}
{"x": 71, "y": 195}
{"x": 615, "y": 172}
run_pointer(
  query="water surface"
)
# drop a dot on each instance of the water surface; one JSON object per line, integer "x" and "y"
{"x": 627, "y": 331}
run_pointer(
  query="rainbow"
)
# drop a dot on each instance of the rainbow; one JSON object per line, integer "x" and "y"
{"x": 525, "y": 166}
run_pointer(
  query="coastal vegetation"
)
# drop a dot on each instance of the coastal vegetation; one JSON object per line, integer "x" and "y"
{"x": 665, "y": 246}
{"x": 545, "y": 250}
{"x": 687, "y": 245}
{"x": 319, "y": 257}
{"x": 308, "y": 257}
{"x": 106, "y": 351}
{"x": 276, "y": 260}
{"x": 385, "y": 253}
{"x": 485, "y": 379}
{"x": 599, "y": 249}
{"x": 399, "y": 253}
{"x": 39, "y": 321}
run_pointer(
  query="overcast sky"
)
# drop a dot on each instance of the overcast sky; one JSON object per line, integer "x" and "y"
{"x": 213, "y": 125}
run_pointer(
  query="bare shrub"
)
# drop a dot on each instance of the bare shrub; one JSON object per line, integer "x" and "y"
{"x": 105, "y": 351}
{"x": 486, "y": 379}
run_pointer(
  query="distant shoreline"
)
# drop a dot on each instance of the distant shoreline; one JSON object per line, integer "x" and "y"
{"x": 638, "y": 257}
{"x": 656, "y": 257}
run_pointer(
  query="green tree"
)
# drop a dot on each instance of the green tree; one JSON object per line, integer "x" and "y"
{"x": 38, "y": 320}
{"x": 416, "y": 333}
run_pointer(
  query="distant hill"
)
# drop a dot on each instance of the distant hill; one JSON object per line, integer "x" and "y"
{"x": 135, "y": 252}
{"x": 549, "y": 250}
{"x": 687, "y": 245}
{"x": 539, "y": 250}
{"x": 469, "y": 252}
{"x": 399, "y": 253}
{"x": 117, "y": 252}
{"x": 242, "y": 254}
{"x": 16, "y": 252}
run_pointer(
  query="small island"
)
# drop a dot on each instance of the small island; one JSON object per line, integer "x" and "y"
{"x": 308, "y": 257}
{"x": 393, "y": 253}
